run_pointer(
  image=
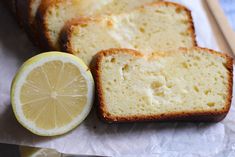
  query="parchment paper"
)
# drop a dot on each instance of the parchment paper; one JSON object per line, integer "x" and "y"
{"x": 96, "y": 138}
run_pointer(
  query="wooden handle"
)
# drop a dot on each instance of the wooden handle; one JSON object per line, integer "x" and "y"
{"x": 223, "y": 23}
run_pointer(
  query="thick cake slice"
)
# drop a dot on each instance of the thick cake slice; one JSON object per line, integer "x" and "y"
{"x": 186, "y": 84}
{"x": 52, "y": 18}
{"x": 158, "y": 26}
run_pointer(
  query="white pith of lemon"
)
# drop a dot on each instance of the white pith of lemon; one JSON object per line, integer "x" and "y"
{"x": 52, "y": 93}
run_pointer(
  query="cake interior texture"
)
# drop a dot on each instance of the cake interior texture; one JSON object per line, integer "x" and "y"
{"x": 164, "y": 84}
{"x": 156, "y": 27}
{"x": 62, "y": 11}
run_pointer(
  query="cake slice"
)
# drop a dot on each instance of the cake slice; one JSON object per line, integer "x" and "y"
{"x": 183, "y": 85}
{"x": 158, "y": 26}
{"x": 51, "y": 18}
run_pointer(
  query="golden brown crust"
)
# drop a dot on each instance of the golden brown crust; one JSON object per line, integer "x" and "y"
{"x": 41, "y": 22}
{"x": 195, "y": 116}
{"x": 28, "y": 21}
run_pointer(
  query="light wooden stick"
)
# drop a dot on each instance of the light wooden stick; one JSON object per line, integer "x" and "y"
{"x": 223, "y": 23}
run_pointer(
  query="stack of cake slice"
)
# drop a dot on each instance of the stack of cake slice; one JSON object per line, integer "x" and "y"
{"x": 144, "y": 56}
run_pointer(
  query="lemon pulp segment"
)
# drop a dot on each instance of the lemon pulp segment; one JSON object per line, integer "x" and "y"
{"x": 49, "y": 91}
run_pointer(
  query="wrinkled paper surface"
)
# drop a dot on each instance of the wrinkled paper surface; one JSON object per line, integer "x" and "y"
{"x": 94, "y": 137}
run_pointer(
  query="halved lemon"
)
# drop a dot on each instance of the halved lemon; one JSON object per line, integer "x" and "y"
{"x": 52, "y": 93}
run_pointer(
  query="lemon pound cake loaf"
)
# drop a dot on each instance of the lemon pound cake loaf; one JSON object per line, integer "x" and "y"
{"x": 158, "y": 26}
{"x": 51, "y": 18}
{"x": 187, "y": 84}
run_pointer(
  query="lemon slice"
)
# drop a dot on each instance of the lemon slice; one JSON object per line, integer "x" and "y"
{"x": 52, "y": 93}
